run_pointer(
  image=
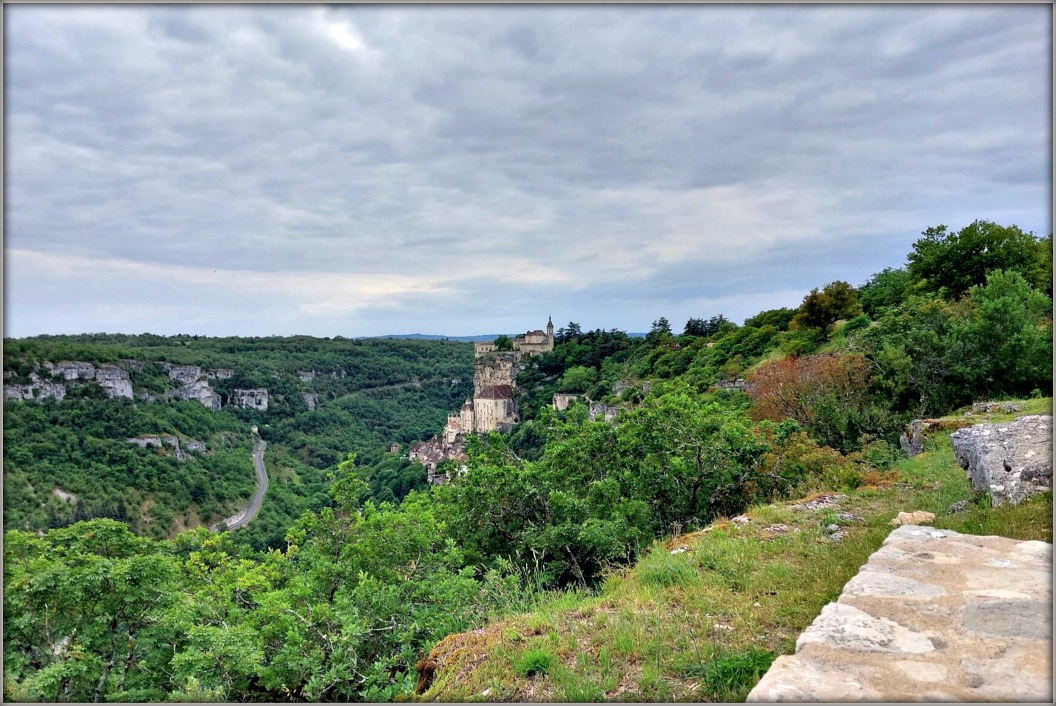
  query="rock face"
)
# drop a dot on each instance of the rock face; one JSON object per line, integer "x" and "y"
{"x": 310, "y": 400}
{"x": 1010, "y": 461}
{"x": 37, "y": 389}
{"x": 114, "y": 380}
{"x": 250, "y": 399}
{"x": 72, "y": 370}
{"x": 196, "y": 390}
{"x": 111, "y": 378}
{"x": 496, "y": 369}
{"x": 183, "y": 374}
{"x": 157, "y": 441}
{"x": 932, "y": 616}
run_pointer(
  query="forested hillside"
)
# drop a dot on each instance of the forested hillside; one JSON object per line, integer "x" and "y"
{"x": 366, "y": 395}
{"x": 712, "y": 421}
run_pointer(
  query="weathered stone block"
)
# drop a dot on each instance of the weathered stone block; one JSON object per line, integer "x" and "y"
{"x": 1011, "y": 461}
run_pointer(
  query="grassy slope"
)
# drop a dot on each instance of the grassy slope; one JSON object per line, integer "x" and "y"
{"x": 704, "y": 624}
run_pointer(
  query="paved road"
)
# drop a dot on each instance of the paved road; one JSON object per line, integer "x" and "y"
{"x": 244, "y": 517}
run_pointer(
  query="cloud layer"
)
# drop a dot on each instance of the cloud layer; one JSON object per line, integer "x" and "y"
{"x": 370, "y": 170}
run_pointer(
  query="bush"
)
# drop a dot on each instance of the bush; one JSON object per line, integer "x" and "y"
{"x": 856, "y": 324}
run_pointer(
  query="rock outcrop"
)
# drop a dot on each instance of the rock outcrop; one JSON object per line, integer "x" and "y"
{"x": 111, "y": 378}
{"x": 114, "y": 380}
{"x": 1006, "y": 407}
{"x": 310, "y": 400}
{"x": 169, "y": 440}
{"x": 1011, "y": 461}
{"x": 196, "y": 390}
{"x": 37, "y": 389}
{"x": 183, "y": 374}
{"x": 600, "y": 410}
{"x": 934, "y": 615}
{"x": 72, "y": 370}
{"x": 912, "y": 439}
{"x": 496, "y": 369}
{"x": 740, "y": 384}
{"x": 250, "y": 399}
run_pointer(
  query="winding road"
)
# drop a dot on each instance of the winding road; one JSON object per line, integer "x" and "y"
{"x": 243, "y": 517}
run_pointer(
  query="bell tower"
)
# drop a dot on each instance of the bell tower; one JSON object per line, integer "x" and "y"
{"x": 549, "y": 331}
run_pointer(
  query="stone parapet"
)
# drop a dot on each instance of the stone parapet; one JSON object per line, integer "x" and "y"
{"x": 934, "y": 615}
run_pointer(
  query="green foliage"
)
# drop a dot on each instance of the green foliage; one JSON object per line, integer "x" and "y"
{"x": 821, "y": 309}
{"x": 780, "y": 319}
{"x": 933, "y": 356}
{"x": 885, "y": 289}
{"x": 80, "y": 447}
{"x": 660, "y": 328}
{"x": 503, "y": 343}
{"x": 369, "y": 393}
{"x": 729, "y": 677}
{"x": 341, "y": 603}
{"x": 578, "y": 379}
{"x": 949, "y": 264}
{"x": 1011, "y": 333}
{"x": 535, "y": 660}
{"x": 858, "y": 323}
{"x": 701, "y": 327}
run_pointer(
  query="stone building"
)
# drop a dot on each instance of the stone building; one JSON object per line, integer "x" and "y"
{"x": 493, "y": 406}
{"x": 528, "y": 343}
{"x": 561, "y": 401}
{"x": 494, "y": 403}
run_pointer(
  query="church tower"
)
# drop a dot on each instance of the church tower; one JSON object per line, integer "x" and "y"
{"x": 550, "y": 332}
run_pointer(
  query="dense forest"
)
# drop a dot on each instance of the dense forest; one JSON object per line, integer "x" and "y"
{"x": 376, "y": 569}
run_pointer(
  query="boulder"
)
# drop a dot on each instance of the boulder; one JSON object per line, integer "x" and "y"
{"x": 918, "y": 517}
{"x": 1011, "y": 461}
{"x": 912, "y": 439}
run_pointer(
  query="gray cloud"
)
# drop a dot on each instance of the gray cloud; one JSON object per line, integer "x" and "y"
{"x": 366, "y": 170}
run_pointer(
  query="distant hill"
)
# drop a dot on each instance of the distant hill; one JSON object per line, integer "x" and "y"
{"x": 477, "y": 337}
{"x": 436, "y": 337}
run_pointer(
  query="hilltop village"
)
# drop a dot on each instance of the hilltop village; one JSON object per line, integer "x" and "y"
{"x": 493, "y": 406}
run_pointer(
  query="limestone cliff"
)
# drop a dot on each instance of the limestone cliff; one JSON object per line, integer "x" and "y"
{"x": 36, "y": 389}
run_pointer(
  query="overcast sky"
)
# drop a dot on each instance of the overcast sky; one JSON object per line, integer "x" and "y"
{"x": 362, "y": 171}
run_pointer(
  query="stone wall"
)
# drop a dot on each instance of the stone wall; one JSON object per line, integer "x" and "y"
{"x": 561, "y": 402}
{"x": 934, "y": 615}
